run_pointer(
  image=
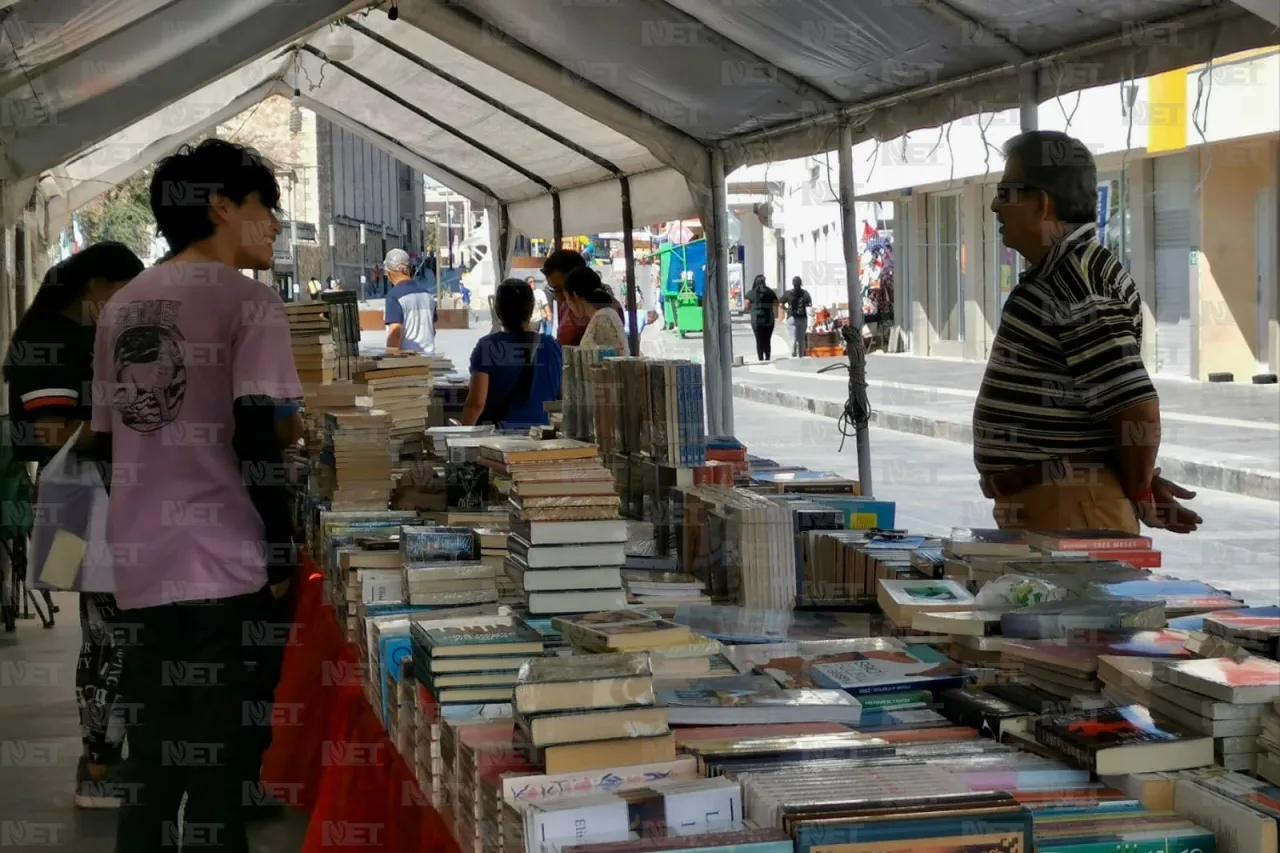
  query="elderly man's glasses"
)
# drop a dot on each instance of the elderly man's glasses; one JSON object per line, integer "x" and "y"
{"x": 1012, "y": 192}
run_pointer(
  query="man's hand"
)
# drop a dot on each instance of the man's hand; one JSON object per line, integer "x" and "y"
{"x": 279, "y": 590}
{"x": 1165, "y": 512}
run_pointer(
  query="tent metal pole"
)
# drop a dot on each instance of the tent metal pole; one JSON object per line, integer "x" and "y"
{"x": 504, "y": 239}
{"x": 1029, "y": 99}
{"x": 853, "y": 283}
{"x": 629, "y": 253}
{"x": 718, "y": 333}
{"x": 557, "y": 223}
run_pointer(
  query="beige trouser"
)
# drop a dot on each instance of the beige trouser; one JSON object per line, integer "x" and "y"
{"x": 1098, "y": 503}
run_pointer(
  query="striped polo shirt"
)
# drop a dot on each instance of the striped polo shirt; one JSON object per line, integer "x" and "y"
{"x": 1066, "y": 358}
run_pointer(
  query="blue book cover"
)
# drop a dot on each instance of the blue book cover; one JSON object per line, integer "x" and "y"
{"x": 887, "y": 670}
{"x": 393, "y": 650}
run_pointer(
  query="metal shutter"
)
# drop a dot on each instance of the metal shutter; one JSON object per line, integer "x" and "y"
{"x": 1174, "y": 185}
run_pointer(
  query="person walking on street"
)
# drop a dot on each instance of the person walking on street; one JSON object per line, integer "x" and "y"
{"x": 1066, "y": 426}
{"x": 410, "y": 308}
{"x": 762, "y": 302}
{"x": 49, "y": 370}
{"x": 797, "y": 302}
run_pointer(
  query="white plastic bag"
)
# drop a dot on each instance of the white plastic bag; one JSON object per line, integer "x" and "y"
{"x": 69, "y": 547}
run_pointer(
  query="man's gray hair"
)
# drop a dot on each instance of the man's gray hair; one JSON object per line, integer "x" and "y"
{"x": 1063, "y": 167}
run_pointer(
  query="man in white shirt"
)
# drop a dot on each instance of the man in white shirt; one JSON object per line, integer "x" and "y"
{"x": 410, "y": 309}
{"x": 541, "y": 309}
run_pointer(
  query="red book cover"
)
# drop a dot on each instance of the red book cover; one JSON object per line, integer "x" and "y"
{"x": 1139, "y": 558}
{"x": 1087, "y": 540}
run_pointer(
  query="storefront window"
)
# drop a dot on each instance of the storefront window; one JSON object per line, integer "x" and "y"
{"x": 947, "y": 244}
{"x": 1113, "y": 214}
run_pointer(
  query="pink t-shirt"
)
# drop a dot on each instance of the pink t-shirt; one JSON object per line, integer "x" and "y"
{"x": 175, "y": 347}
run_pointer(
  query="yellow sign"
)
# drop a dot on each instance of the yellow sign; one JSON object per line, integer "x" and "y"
{"x": 1167, "y": 112}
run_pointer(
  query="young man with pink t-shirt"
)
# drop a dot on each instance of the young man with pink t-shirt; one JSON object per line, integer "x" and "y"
{"x": 191, "y": 358}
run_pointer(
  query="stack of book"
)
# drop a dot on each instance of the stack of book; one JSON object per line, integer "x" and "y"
{"x": 663, "y": 592}
{"x": 674, "y": 650}
{"x": 493, "y": 552}
{"x": 1122, "y": 739}
{"x": 1220, "y": 698}
{"x": 400, "y": 385}
{"x": 1079, "y": 667}
{"x": 442, "y": 568}
{"x": 1267, "y": 762}
{"x": 356, "y": 452}
{"x": 480, "y": 748}
{"x": 567, "y": 541}
{"x": 756, "y": 564}
{"x": 344, "y": 323}
{"x": 314, "y": 353}
{"x": 974, "y": 634}
{"x": 584, "y": 712}
{"x": 1115, "y": 545}
{"x": 370, "y": 571}
{"x": 1255, "y": 629}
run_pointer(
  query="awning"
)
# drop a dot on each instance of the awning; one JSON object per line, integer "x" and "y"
{"x": 510, "y": 102}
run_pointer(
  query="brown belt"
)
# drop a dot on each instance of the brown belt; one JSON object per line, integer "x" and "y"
{"x": 1004, "y": 484}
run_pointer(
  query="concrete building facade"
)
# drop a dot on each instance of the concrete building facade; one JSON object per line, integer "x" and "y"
{"x": 1189, "y": 182}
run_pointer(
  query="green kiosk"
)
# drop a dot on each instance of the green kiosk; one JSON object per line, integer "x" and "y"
{"x": 683, "y": 273}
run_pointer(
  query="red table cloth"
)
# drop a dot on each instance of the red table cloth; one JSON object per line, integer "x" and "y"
{"x": 330, "y": 756}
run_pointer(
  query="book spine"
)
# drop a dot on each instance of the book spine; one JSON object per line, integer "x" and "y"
{"x": 1079, "y": 755}
{"x": 699, "y": 421}
{"x": 1137, "y": 543}
{"x": 686, "y": 415}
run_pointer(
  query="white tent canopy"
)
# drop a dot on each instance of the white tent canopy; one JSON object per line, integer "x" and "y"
{"x": 550, "y": 112}
{"x": 508, "y": 102}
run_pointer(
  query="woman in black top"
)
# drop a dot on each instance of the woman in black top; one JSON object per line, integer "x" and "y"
{"x": 762, "y": 302}
{"x": 49, "y": 369}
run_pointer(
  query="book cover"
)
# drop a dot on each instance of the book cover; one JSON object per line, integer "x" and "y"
{"x": 926, "y": 592}
{"x": 887, "y": 671}
{"x": 487, "y": 639}
{"x": 1059, "y": 618}
{"x": 1086, "y": 540}
{"x": 585, "y": 668}
{"x": 1252, "y": 680}
{"x": 1255, "y": 623}
{"x": 1083, "y": 736}
{"x": 1178, "y": 595}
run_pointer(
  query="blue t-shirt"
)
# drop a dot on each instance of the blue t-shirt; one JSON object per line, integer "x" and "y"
{"x": 500, "y": 356}
{"x": 412, "y": 304}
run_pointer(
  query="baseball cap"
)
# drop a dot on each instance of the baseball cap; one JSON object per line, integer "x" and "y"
{"x": 396, "y": 259}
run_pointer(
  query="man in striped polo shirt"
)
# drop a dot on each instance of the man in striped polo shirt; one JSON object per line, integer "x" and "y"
{"x": 1067, "y": 423}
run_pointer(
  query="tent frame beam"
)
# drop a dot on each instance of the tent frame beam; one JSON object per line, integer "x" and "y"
{"x": 428, "y": 117}
{"x": 853, "y": 285}
{"x": 862, "y": 111}
{"x": 464, "y": 86}
{"x": 629, "y": 255}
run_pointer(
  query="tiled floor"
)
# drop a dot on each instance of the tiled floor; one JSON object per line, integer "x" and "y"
{"x": 40, "y": 746}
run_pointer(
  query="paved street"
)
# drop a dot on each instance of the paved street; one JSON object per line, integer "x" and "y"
{"x": 933, "y": 482}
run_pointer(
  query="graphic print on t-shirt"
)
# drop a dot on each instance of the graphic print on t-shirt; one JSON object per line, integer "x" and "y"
{"x": 151, "y": 375}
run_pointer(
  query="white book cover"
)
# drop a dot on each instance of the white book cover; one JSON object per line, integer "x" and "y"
{"x": 588, "y": 816}
{"x": 927, "y": 594}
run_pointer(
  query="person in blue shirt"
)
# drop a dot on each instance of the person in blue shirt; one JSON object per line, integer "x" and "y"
{"x": 513, "y": 371}
{"x": 410, "y": 307}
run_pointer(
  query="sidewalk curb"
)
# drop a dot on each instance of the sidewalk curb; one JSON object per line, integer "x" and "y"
{"x": 1238, "y": 481}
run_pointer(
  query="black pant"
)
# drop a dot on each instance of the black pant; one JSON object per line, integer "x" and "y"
{"x": 265, "y": 663}
{"x": 764, "y": 341}
{"x": 189, "y": 677}
{"x": 98, "y": 672}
